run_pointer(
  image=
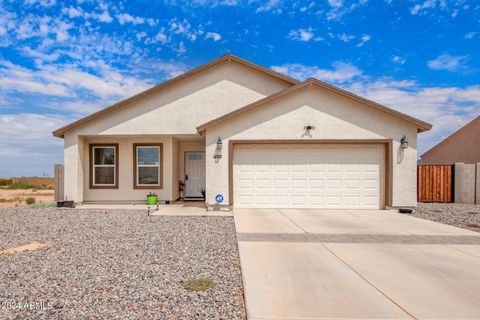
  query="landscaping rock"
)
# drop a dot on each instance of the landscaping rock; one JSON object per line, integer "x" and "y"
{"x": 456, "y": 214}
{"x": 120, "y": 265}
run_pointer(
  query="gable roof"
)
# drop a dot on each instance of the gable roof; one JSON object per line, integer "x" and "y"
{"x": 472, "y": 123}
{"x": 225, "y": 58}
{"x": 421, "y": 125}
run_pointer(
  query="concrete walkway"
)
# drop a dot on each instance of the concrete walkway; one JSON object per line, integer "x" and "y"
{"x": 344, "y": 264}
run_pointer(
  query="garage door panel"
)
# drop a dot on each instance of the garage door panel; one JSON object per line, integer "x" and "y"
{"x": 262, "y": 183}
{"x": 308, "y": 176}
{"x": 316, "y": 184}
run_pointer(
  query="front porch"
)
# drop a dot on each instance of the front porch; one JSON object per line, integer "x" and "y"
{"x": 124, "y": 169}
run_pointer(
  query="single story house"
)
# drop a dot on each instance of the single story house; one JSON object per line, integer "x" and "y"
{"x": 254, "y": 136}
{"x": 461, "y": 146}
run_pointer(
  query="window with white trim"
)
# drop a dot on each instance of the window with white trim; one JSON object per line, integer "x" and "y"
{"x": 148, "y": 162}
{"x": 104, "y": 166}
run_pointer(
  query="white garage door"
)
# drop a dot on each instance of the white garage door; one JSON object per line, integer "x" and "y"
{"x": 308, "y": 176}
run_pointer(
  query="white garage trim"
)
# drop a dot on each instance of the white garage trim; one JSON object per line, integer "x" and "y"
{"x": 385, "y": 191}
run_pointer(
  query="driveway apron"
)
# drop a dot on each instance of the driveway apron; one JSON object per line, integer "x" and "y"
{"x": 356, "y": 264}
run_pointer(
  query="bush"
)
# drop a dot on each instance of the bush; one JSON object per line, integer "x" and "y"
{"x": 22, "y": 185}
{"x": 30, "y": 200}
{"x": 200, "y": 284}
{"x": 5, "y": 182}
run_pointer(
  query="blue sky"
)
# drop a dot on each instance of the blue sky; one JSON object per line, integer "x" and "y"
{"x": 61, "y": 60}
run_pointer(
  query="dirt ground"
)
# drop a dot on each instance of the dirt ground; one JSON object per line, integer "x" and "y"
{"x": 11, "y": 198}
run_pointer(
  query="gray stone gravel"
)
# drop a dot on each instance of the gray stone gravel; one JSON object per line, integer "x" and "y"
{"x": 119, "y": 264}
{"x": 460, "y": 215}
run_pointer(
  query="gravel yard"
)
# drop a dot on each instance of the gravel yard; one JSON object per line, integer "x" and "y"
{"x": 460, "y": 215}
{"x": 118, "y": 264}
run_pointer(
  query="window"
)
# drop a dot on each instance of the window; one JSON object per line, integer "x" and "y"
{"x": 147, "y": 166}
{"x": 104, "y": 166}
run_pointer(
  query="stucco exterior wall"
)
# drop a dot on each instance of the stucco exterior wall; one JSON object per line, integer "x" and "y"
{"x": 73, "y": 167}
{"x": 463, "y": 146}
{"x": 125, "y": 191}
{"x": 334, "y": 117}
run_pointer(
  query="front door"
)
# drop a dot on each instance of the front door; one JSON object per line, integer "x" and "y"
{"x": 194, "y": 174}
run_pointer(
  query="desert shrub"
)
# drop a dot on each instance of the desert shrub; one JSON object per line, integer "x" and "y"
{"x": 22, "y": 185}
{"x": 5, "y": 182}
{"x": 200, "y": 284}
{"x": 30, "y": 200}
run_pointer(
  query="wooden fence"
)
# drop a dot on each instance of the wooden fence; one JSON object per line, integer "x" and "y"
{"x": 434, "y": 183}
{"x": 59, "y": 183}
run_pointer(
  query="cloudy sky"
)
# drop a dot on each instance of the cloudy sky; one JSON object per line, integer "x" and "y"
{"x": 61, "y": 60}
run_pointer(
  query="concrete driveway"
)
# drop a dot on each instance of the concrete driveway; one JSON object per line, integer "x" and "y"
{"x": 356, "y": 264}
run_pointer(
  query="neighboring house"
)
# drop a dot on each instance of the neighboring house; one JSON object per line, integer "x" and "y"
{"x": 462, "y": 146}
{"x": 257, "y": 137}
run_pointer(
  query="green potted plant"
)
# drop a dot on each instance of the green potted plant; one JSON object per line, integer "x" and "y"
{"x": 152, "y": 199}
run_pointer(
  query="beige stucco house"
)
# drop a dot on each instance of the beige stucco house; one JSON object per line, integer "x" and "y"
{"x": 254, "y": 136}
{"x": 461, "y": 146}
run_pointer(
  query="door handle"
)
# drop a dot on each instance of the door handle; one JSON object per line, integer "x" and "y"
{"x": 186, "y": 177}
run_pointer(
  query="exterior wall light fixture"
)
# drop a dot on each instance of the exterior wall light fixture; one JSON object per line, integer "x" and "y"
{"x": 218, "y": 151}
{"x": 404, "y": 142}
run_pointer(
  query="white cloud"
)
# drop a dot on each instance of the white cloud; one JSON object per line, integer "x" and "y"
{"x": 419, "y": 7}
{"x": 185, "y": 29}
{"x": 364, "y": 39}
{"x": 73, "y": 12}
{"x": 161, "y": 37}
{"x": 470, "y": 35}
{"x": 345, "y": 37}
{"x": 307, "y": 7}
{"x": 209, "y": 3}
{"x": 335, "y": 3}
{"x": 124, "y": 18}
{"x": 35, "y": 26}
{"x": 152, "y": 22}
{"x": 68, "y": 81}
{"x": 42, "y": 3}
{"x": 448, "y": 62}
{"x": 338, "y": 8}
{"x": 447, "y": 108}
{"x": 398, "y": 59}
{"x": 78, "y": 12}
{"x": 104, "y": 17}
{"x": 341, "y": 72}
{"x": 171, "y": 69}
{"x": 213, "y": 35}
{"x": 141, "y": 35}
{"x": 18, "y": 79}
{"x": 269, "y": 5}
{"x": 32, "y": 149}
{"x": 180, "y": 49}
{"x": 40, "y": 56}
{"x": 304, "y": 35}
